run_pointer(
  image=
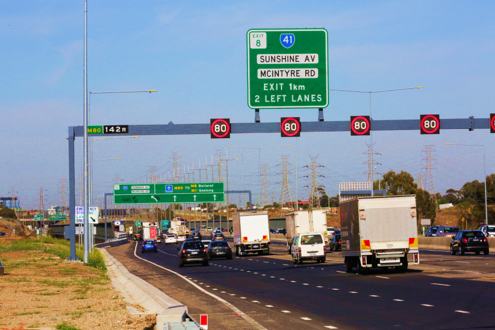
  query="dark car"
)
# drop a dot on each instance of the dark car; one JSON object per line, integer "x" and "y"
{"x": 196, "y": 235}
{"x": 192, "y": 252}
{"x": 149, "y": 245}
{"x": 469, "y": 241}
{"x": 2, "y": 234}
{"x": 217, "y": 237}
{"x": 335, "y": 243}
{"x": 447, "y": 231}
{"x": 219, "y": 249}
{"x": 432, "y": 231}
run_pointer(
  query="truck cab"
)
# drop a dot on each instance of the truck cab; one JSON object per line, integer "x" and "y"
{"x": 309, "y": 246}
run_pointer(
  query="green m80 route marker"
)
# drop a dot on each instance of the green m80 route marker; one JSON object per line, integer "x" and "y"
{"x": 169, "y": 193}
{"x": 287, "y": 68}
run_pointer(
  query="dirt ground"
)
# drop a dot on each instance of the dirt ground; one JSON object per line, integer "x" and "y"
{"x": 39, "y": 290}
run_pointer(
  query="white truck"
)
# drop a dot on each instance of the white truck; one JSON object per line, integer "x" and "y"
{"x": 151, "y": 233}
{"x": 251, "y": 232}
{"x": 303, "y": 222}
{"x": 379, "y": 232}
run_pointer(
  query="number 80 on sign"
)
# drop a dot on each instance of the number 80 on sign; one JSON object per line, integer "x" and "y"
{"x": 220, "y": 128}
{"x": 290, "y": 126}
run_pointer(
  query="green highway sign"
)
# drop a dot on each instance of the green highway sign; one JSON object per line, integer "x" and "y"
{"x": 287, "y": 68}
{"x": 169, "y": 193}
{"x": 39, "y": 217}
{"x": 58, "y": 217}
{"x": 95, "y": 129}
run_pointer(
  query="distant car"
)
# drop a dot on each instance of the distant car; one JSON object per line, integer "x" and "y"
{"x": 217, "y": 237}
{"x": 209, "y": 228}
{"x": 149, "y": 245}
{"x": 335, "y": 243}
{"x": 138, "y": 236}
{"x": 273, "y": 230}
{"x": 219, "y": 250}
{"x": 488, "y": 230}
{"x": 447, "y": 231}
{"x": 181, "y": 238}
{"x": 196, "y": 235}
{"x": 432, "y": 231}
{"x": 170, "y": 239}
{"x": 192, "y": 252}
{"x": 330, "y": 232}
{"x": 469, "y": 241}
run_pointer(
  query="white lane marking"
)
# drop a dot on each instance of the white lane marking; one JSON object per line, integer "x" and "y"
{"x": 305, "y": 284}
{"x": 323, "y": 269}
{"x": 230, "y": 267}
{"x": 215, "y": 289}
{"x": 305, "y": 318}
{"x": 248, "y": 271}
{"x": 319, "y": 286}
{"x": 266, "y": 262}
{"x": 387, "y": 278}
{"x": 274, "y": 263}
{"x": 282, "y": 279}
{"x": 398, "y": 300}
{"x": 352, "y": 292}
{"x": 243, "y": 297}
{"x": 293, "y": 281}
{"x": 339, "y": 271}
{"x": 374, "y": 296}
{"x": 285, "y": 264}
{"x": 285, "y": 312}
{"x": 255, "y": 301}
{"x": 270, "y": 306}
{"x": 426, "y": 305}
{"x": 235, "y": 309}
{"x": 311, "y": 267}
{"x": 463, "y": 312}
{"x": 222, "y": 291}
{"x": 440, "y": 284}
{"x": 242, "y": 270}
{"x": 232, "y": 294}
{"x": 207, "y": 286}
{"x": 255, "y": 273}
{"x": 272, "y": 276}
{"x": 263, "y": 274}
{"x": 335, "y": 289}
{"x": 250, "y": 259}
{"x": 330, "y": 327}
{"x": 235, "y": 268}
{"x": 200, "y": 283}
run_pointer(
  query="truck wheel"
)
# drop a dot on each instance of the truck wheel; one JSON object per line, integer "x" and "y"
{"x": 403, "y": 268}
{"x": 294, "y": 260}
{"x": 362, "y": 270}
{"x": 477, "y": 252}
{"x": 462, "y": 251}
{"x": 348, "y": 264}
{"x": 290, "y": 248}
{"x": 237, "y": 251}
{"x": 267, "y": 252}
{"x": 486, "y": 251}
{"x": 452, "y": 251}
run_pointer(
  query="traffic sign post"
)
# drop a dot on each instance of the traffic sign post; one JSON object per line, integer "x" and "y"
{"x": 287, "y": 68}
{"x": 169, "y": 193}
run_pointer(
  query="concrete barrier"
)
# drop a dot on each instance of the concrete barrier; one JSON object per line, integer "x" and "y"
{"x": 441, "y": 243}
{"x": 137, "y": 291}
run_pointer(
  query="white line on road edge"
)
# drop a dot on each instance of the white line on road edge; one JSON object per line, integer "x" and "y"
{"x": 464, "y": 312}
{"x": 383, "y": 277}
{"x": 339, "y": 271}
{"x": 330, "y": 327}
{"x": 285, "y": 311}
{"x": 270, "y": 306}
{"x": 305, "y": 318}
{"x": 235, "y": 309}
{"x": 441, "y": 284}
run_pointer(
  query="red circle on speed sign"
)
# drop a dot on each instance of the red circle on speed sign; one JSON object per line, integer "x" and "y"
{"x": 430, "y": 124}
{"x": 290, "y": 126}
{"x": 492, "y": 123}
{"x": 360, "y": 125}
{"x": 220, "y": 128}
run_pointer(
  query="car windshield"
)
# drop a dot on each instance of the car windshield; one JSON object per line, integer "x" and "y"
{"x": 219, "y": 244}
{"x": 311, "y": 239}
{"x": 171, "y": 236}
{"x": 433, "y": 229}
{"x": 219, "y": 235}
{"x": 150, "y": 243}
{"x": 473, "y": 234}
{"x": 193, "y": 245}
{"x": 491, "y": 229}
{"x": 451, "y": 229}
{"x": 330, "y": 229}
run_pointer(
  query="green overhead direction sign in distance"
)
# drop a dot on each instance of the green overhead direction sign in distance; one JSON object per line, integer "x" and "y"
{"x": 287, "y": 68}
{"x": 169, "y": 193}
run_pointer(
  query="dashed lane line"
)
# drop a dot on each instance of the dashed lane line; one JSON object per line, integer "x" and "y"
{"x": 286, "y": 312}
{"x": 427, "y": 305}
{"x": 305, "y": 318}
{"x": 269, "y": 306}
{"x": 250, "y": 320}
{"x": 374, "y": 296}
{"x": 330, "y": 327}
{"x": 399, "y": 300}
{"x": 384, "y": 277}
{"x": 440, "y": 284}
{"x": 462, "y": 312}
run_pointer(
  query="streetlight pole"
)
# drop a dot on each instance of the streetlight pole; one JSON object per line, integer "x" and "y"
{"x": 484, "y": 170}
{"x": 372, "y": 174}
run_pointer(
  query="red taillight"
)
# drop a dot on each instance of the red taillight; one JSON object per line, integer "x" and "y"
{"x": 364, "y": 260}
{"x": 142, "y": 245}
{"x": 299, "y": 250}
{"x": 464, "y": 240}
{"x": 486, "y": 240}
{"x": 183, "y": 251}
{"x": 228, "y": 247}
{"x": 416, "y": 257}
{"x": 339, "y": 242}
{"x": 204, "y": 250}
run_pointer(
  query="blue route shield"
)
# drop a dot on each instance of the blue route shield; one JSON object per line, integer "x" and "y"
{"x": 169, "y": 188}
{"x": 287, "y": 39}
{"x": 125, "y": 188}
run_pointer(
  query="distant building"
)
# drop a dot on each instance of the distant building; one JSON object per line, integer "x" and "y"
{"x": 10, "y": 202}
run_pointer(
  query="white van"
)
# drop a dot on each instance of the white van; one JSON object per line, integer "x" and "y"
{"x": 308, "y": 247}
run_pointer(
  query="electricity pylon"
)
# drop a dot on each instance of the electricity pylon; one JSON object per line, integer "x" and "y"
{"x": 314, "y": 193}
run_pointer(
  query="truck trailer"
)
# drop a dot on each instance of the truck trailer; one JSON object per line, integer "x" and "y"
{"x": 379, "y": 232}
{"x": 251, "y": 232}
{"x": 303, "y": 222}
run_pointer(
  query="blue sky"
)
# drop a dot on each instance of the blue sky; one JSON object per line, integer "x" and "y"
{"x": 194, "y": 54}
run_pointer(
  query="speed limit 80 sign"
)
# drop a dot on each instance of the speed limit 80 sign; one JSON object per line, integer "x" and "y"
{"x": 220, "y": 128}
{"x": 429, "y": 124}
{"x": 492, "y": 123}
{"x": 290, "y": 126}
{"x": 360, "y": 125}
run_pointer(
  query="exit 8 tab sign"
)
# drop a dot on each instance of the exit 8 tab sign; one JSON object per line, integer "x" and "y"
{"x": 287, "y": 68}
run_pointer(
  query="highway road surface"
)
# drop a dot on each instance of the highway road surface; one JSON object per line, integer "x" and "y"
{"x": 443, "y": 292}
